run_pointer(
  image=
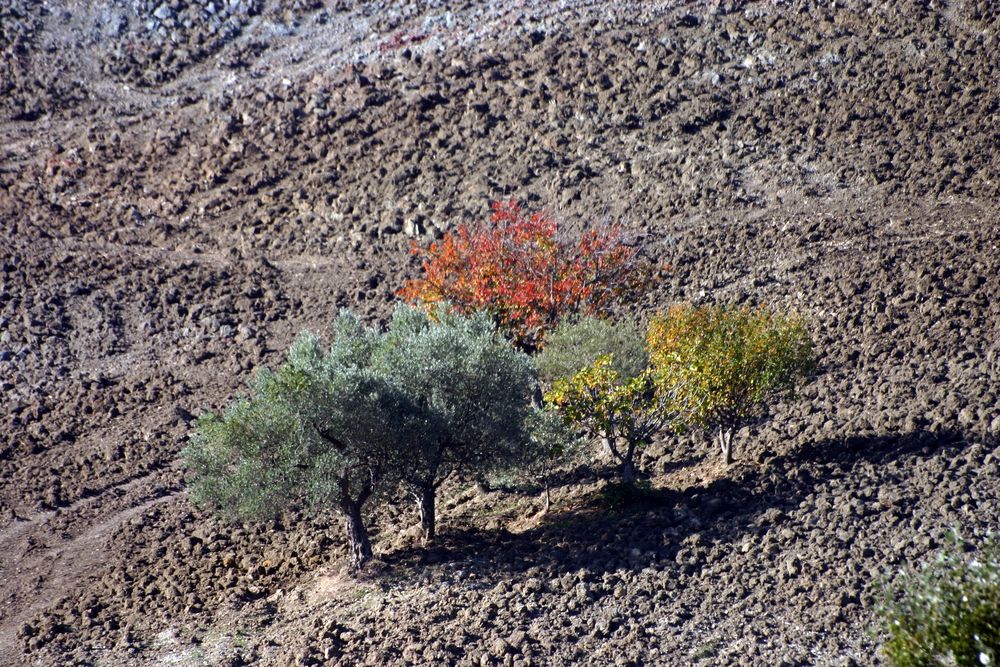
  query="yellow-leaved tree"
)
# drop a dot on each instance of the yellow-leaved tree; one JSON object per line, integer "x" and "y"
{"x": 724, "y": 364}
{"x": 601, "y": 382}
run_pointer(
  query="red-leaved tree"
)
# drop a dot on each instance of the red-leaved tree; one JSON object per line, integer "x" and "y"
{"x": 527, "y": 274}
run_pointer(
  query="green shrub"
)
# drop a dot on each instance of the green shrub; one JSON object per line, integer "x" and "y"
{"x": 724, "y": 364}
{"x": 947, "y": 613}
{"x": 574, "y": 345}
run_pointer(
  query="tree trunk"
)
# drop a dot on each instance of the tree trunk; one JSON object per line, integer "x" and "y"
{"x": 628, "y": 471}
{"x": 537, "y": 398}
{"x": 610, "y": 443}
{"x": 425, "y": 503}
{"x": 357, "y": 536}
{"x": 726, "y": 443}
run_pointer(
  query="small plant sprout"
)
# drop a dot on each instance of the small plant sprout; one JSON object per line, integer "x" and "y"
{"x": 552, "y": 440}
{"x": 948, "y": 612}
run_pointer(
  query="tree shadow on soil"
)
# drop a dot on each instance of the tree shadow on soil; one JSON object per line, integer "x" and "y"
{"x": 654, "y": 524}
{"x": 680, "y": 464}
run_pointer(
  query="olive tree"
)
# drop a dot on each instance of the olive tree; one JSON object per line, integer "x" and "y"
{"x": 429, "y": 395}
{"x": 324, "y": 431}
{"x": 599, "y": 380}
{"x": 725, "y": 364}
{"x": 472, "y": 390}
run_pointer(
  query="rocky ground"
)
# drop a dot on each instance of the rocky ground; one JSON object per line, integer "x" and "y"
{"x": 186, "y": 185}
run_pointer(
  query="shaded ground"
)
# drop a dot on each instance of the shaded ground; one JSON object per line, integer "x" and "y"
{"x": 182, "y": 190}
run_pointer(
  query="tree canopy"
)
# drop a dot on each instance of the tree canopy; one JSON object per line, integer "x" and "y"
{"x": 727, "y": 363}
{"x": 330, "y": 429}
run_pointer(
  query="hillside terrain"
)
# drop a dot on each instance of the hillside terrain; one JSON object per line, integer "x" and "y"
{"x": 184, "y": 186}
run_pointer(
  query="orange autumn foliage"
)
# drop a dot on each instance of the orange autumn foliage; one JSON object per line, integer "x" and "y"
{"x": 521, "y": 270}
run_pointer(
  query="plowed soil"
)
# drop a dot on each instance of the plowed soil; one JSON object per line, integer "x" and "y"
{"x": 186, "y": 185}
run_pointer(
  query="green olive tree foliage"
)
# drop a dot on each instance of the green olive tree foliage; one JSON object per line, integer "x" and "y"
{"x": 324, "y": 430}
{"x": 947, "y": 613}
{"x": 473, "y": 390}
{"x": 724, "y": 364}
{"x": 600, "y": 381}
{"x": 330, "y": 429}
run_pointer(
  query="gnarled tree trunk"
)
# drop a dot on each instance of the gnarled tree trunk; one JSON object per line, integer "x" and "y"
{"x": 357, "y": 535}
{"x": 725, "y": 440}
{"x": 425, "y": 503}
{"x": 628, "y": 471}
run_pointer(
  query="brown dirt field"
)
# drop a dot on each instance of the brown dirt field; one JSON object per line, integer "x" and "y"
{"x": 186, "y": 185}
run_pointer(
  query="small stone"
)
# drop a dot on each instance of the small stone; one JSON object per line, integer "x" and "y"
{"x": 413, "y": 227}
{"x": 501, "y": 647}
{"x": 517, "y": 638}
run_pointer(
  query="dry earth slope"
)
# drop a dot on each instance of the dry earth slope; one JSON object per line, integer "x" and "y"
{"x": 185, "y": 185}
